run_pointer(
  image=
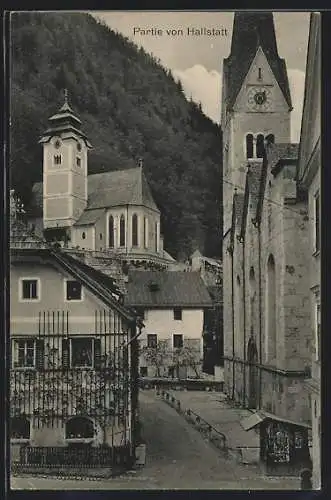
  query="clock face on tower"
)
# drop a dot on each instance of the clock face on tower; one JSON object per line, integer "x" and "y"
{"x": 259, "y": 98}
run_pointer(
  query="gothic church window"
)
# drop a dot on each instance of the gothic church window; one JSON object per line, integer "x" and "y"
{"x": 122, "y": 231}
{"x": 57, "y": 159}
{"x": 111, "y": 232}
{"x": 145, "y": 232}
{"x": 134, "y": 230}
{"x": 78, "y": 162}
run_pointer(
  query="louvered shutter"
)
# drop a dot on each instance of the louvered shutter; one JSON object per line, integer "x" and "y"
{"x": 97, "y": 353}
{"x": 65, "y": 353}
{"x": 40, "y": 354}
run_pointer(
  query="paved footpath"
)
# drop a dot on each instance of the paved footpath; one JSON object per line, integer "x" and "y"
{"x": 213, "y": 407}
{"x": 177, "y": 458}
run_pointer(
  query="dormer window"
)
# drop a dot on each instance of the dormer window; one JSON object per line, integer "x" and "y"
{"x": 57, "y": 159}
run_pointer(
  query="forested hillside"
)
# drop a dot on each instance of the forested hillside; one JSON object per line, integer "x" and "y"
{"x": 130, "y": 107}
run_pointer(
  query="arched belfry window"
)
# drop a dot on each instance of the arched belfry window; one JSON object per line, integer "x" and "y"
{"x": 271, "y": 322}
{"x": 134, "y": 230}
{"x": 259, "y": 146}
{"x": 111, "y": 232}
{"x": 122, "y": 231}
{"x": 249, "y": 146}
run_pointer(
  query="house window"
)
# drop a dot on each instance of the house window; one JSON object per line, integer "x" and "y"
{"x": 134, "y": 230}
{"x": 73, "y": 290}
{"x": 143, "y": 371}
{"x": 152, "y": 340}
{"x": 29, "y": 289}
{"x": 111, "y": 232}
{"x": 317, "y": 222}
{"x": 20, "y": 428}
{"x": 24, "y": 353}
{"x": 178, "y": 313}
{"x": 81, "y": 352}
{"x": 249, "y": 146}
{"x": 318, "y": 332}
{"x": 78, "y": 162}
{"x": 122, "y": 231}
{"x": 57, "y": 159}
{"x": 178, "y": 341}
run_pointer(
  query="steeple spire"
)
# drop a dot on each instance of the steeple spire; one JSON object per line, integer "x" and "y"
{"x": 66, "y": 106}
{"x": 252, "y": 30}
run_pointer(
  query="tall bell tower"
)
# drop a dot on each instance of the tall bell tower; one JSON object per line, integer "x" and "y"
{"x": 65, "y": 169}
{"x": 256, "y": 100}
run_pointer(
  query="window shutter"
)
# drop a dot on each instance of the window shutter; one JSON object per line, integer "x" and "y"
{"x": 65, "y": 353}
{"x": 40, "y": 354}
{"x": 97, "y": 353}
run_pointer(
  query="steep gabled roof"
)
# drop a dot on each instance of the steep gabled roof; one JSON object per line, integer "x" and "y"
{"x": 119, "y": 188}
{"x": 252, "y": 30}
{"x": 166, "y": 289}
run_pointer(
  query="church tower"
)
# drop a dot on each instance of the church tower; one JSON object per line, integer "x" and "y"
{"x": 256, "y": 100}
{"x": 65, "y": 169}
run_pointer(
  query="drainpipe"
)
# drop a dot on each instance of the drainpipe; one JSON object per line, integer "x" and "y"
{"x": 260, "y": 317}
{"x": 244, "y": 315}
{"x": 233, "y": 327}
{"x": 127, "y": 229}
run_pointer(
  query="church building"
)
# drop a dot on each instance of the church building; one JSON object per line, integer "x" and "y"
{"x": 265, "y": 250}
{"x": 110, "y": 212}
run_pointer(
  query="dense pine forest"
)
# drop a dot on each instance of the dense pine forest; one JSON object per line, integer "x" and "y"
{"x": 130, "y": 107}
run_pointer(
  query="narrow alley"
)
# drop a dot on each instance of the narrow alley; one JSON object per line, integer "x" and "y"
{"x": 177, "y": 458}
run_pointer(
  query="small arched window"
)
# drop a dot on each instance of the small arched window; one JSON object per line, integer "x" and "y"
{"x": 134, "y": 230}
{"x": 111, "y": 232}
{"x": 79, "y": 427}
{"x": 122, "y": 231}
{"x": 259, "y": 146}
{"x": 249, "y": 146}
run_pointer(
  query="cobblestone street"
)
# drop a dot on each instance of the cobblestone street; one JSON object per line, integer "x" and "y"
{"x": 177, "y": 458}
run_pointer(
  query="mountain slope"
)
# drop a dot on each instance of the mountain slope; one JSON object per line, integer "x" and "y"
{"x": 130, "y": 107}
